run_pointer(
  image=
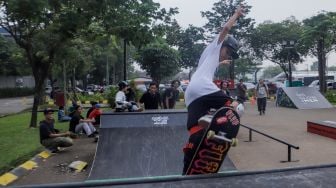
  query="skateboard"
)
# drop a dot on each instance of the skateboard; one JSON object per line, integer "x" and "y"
{"x": 221, "y": 130}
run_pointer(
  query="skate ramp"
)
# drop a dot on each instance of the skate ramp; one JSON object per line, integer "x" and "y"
{"x": 302, "y": 98}
{"x": 143, "y": 144}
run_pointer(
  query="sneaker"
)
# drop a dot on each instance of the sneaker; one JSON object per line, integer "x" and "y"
{"x": 260, "y": 113}
{"x": 96, "y": 138}
{"x": 54, "y": 150}
{"x": 91, "y": 135}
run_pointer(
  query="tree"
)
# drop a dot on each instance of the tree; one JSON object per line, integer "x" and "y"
{"x": 271, "y": 71}
{"x": 159, "y": 60}
{"x": 319, "y": 38}
{"x": 12, "y": 60}
{"x": 267, "y": 42}
{"x": 222, "y": 11}
{"x": 40, "y": 28}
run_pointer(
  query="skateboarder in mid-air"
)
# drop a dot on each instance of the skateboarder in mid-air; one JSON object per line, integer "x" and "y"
{"x": 202, "y": 94}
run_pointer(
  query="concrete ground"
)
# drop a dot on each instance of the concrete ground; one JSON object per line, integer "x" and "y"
{"x": 289, "y": 125}
{"x": 263, "y": 153}
{"x": 15, "y": 105}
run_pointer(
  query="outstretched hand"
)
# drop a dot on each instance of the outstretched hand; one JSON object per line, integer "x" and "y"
{"x": 240, "y": 10}
{"x": 225, "y": 62}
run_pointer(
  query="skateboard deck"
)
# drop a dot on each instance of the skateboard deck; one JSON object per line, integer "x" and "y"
{"x": 221, "y": 130}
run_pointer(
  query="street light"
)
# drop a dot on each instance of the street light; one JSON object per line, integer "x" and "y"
{"x": 289, "y": 45}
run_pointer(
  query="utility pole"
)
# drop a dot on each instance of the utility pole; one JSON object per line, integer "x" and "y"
{"x": 125, "y": 59}
{"x": 289, "y": 45}
{"x": 64, "y": 88}
{"x": 107, "y": 72}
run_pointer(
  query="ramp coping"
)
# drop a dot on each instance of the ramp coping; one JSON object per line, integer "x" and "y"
{"x": 172, "y": 178}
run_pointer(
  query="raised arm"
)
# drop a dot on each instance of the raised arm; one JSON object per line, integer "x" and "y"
{"x": 228, "y": 25}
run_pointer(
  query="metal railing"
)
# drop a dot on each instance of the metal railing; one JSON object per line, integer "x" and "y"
{"x": 289, "y": 146}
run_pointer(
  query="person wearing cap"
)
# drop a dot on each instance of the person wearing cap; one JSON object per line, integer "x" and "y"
{"x": 202, "y": 94}
{"x": 95, "y": 115}
{"x": 50, "y": 137}
{"x": 121, "y": 101}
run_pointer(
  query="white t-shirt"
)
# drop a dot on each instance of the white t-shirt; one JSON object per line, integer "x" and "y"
{"x": 201, "y": 82}
{"x": 120, "y": 98}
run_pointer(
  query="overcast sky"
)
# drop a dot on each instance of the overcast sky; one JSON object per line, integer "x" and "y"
{"x": 275, "y": 10}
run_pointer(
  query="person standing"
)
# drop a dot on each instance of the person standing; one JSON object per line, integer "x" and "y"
{"x": 151, "y": 98}
{"x": 241, "y": 91}
{"x": 170, "y": 95}
{"x": 202, "y": 93}
{"x": 224, "y": 88}
{"x": 50, "y": 137}
{"x": 261, "y": 93}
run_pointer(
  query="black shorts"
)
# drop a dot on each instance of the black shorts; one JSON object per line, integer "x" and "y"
{"x": 202, "y": 105}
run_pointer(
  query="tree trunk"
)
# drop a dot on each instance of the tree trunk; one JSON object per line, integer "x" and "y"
{"x": 40, "y": 74}
{"x": 321, "y": 65}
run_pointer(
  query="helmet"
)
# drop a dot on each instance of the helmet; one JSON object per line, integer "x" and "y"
{"x": 233, "y": 44}
{"x": 122, "y": 84}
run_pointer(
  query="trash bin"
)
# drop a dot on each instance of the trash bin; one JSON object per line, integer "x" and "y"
{"x": 60, "y": 99}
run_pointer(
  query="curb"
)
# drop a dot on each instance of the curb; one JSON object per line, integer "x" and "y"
{"x": 11, "y": 176}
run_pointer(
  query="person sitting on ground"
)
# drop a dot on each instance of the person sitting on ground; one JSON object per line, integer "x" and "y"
{"x": 95, "y": 115}
{"x": 120, "y": 100}
{"x": 93, "y": 104}
{"x": 170, "y": 95}
{"x": 50, "y": 137}
{"x": 61, "y": 115}
{"x": 79, "y": 124}
{"x": 151, "y": 98}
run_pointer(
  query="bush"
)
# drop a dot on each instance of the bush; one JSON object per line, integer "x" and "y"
{"x": 111, "y": 93}
{"x": 15, "y": 92}
{"x": 96, "y": 97}
{"x": 331, "y": 96}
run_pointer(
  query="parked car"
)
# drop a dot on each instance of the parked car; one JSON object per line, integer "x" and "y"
{"x": 48, "y": 90}
{"x": 315, "y": 84}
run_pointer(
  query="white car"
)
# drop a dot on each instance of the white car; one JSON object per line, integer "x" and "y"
{"x": 315, "y": 84}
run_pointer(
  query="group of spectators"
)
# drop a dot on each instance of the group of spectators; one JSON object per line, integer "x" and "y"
{"x": 52, "y": 138}
{"x": 151, "y": 99}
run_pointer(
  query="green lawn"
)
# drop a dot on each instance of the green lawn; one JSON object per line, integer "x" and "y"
{"x": 18, "y": 142}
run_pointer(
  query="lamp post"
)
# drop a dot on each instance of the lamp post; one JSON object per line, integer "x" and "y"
{"x": 289, "y": 45}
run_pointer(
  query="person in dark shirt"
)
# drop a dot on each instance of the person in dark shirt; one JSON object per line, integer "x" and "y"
{"x": 171, "y": 95}
{"x": 78, "y": 123}
{"x": 152, "y": 98}
{"x": 50, "y": 137}
{"x": 241, "y": 91}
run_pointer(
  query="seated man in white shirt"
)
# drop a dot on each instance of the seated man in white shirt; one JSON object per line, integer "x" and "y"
{"x": 120, "y": 100}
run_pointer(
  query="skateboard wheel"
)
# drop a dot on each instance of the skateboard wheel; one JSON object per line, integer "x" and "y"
{"x": 211, "y": 134}
{"x": 234, "y": 142}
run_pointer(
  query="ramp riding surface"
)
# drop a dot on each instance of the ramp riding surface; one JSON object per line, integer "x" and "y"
{"x": 302, "y": 98}
{"x": 142, "y": 144}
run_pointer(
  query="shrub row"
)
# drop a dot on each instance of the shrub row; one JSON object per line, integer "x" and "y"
{"x": 15, "y": 92}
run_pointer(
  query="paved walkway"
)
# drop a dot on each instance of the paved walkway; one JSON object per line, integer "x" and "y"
{"x": 289, "y": 125}
{"x": 15, "y": 105}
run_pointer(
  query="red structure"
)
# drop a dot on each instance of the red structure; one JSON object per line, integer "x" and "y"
{"x": 323, "y": 128}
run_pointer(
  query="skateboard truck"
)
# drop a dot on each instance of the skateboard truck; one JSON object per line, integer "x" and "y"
{"x": 221, "y": 136}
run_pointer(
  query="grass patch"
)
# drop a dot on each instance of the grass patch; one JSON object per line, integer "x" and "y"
{"x": 18, "y": 142}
